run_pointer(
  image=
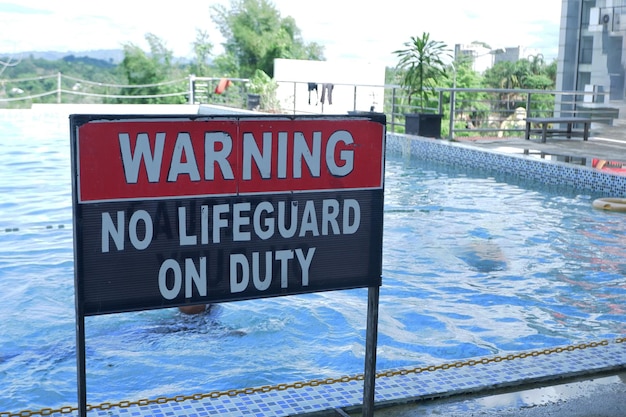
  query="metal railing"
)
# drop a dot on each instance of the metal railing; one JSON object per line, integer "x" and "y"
{"x": 484, "y": 112}
{"x": 465, "y": 111}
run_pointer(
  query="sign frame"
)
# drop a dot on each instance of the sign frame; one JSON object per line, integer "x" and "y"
{"x": 136, "y": 179}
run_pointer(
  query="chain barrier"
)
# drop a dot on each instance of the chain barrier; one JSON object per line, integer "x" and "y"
{"x": 313, "y": 382}
{"x": 34, "y": 228}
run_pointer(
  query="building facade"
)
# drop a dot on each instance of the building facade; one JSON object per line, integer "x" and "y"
{"x": 484, "y": 58}
{"x": 592, "y": 51}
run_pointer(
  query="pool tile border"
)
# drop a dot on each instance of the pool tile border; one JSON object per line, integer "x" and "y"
{"x": 520, "y": 372}
{"x": 523, "y": 166}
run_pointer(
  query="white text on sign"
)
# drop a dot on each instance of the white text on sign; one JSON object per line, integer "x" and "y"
{"x": 217, "y": 152}
{"x": 237, "y": 222}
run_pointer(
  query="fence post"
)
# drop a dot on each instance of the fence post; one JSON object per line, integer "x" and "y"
{"x": 393, "y": 109}
{"x": 528, "y": 104}
{"x": 58, "y": 88}
{"x": 452, "y": 111}
{"x": 192, "y": 82}
{"x": 440, "y": 102}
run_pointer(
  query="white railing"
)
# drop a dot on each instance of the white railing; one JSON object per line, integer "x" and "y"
{"x": 466, "y": 112}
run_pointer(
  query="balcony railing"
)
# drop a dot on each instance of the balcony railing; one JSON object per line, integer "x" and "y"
{"x": 466, "y": 111}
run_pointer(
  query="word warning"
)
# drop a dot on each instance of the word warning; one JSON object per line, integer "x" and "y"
{"x": 173, "y": 210}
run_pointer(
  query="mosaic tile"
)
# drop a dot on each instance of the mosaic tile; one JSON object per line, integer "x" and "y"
{"x": 410, "y": 386}
{"x": 523, "y": 166}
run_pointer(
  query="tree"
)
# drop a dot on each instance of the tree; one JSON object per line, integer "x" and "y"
{"x": 483, "y": 44}
{"x": 422, "y": 67}
{"x": 550, "y": 71}
{"x": 507, "y": 75}
{"x": 261, "y": 84}
{"x": 226, "y": 65}
{"x": 202, "y": 47}
{"x": 474, "y": 105}
{"x": 256, "y": 34}
{"x": 38, "y": 77}
{"x": 501, "y": 75}
{"x": 528, "y": 73}
{"x": 146, "y": 71}
{"x": 139, "y": 69}
{"x": 536, "y": 63}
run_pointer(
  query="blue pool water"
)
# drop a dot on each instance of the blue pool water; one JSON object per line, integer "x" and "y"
{"x": 474, "y": 263}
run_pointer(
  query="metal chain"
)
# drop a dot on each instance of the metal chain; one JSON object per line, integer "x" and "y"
{"x": 311, "y": 383}
{"x": 28, "y": 229}
{"x": 485, "y": 361}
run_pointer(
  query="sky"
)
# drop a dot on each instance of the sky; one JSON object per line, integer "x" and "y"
{"x": 347, "y": 29}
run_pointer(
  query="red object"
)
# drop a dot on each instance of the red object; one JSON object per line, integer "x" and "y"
{"x": 613, "y": 166}
{"x": 223, "y": 85}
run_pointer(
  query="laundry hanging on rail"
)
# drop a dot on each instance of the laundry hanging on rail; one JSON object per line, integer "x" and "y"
{"x": 313, "y": 87}
{"x": 327, "y": 87}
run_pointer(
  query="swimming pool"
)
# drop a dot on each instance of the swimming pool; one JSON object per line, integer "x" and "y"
{"x": 474, "y": 263}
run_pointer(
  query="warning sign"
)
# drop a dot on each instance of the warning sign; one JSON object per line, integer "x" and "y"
{"x": 177, "y": 209}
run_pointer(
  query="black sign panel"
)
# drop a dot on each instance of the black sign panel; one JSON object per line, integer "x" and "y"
{"x": 184, "y": 210}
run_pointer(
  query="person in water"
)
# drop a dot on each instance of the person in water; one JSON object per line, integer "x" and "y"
{"x": 194, "y": 309}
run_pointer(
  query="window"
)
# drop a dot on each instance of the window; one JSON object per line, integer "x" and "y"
{"x": 586, "y": 50}
{"x": 587, "y": 5}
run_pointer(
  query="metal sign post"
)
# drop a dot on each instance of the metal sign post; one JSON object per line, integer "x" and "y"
{"x": 371, "y": 341}
{"x": 182, "y": 210}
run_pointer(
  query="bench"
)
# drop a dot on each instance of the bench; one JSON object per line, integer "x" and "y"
{"x": 545, "y": 129}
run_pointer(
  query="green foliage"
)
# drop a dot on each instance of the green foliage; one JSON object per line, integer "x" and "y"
{"x": 422, "y": 67}
{"x": 538, "y": 82}
{"x": 530, "y": 73}
{"x": 526, "y": 73}
{"x": 137, "y": 67}
{"x": 256, "y": 34}
{"x": 146, "y": 71}
{"x": 226, "y": 65}
{"x": 550, "y": 71}
{"x": 502, "y": 75}
{"x": 37, "y": 77}
{"x": 202, "y": 48}
{"x": 470, "y": 107}
{"x": 481, "y": 43}
{"x": 87, "y": 62}
{"x": 261, "y": 83}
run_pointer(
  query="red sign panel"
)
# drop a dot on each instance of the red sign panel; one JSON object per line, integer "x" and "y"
{"x": 187, "y": 209}
{"x": 157, "y": 159}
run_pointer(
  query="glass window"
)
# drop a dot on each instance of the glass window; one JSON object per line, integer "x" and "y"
{"x": 586, "y": 50}
{"x": 587, "y": 5}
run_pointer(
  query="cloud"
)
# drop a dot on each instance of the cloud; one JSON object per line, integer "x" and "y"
{"x": 345, "y": 28}
{"x": 20, "y": 9}
{"x": 349, "y": 28}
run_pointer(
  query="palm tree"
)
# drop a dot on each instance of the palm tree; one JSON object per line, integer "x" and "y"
{"x": 537, "y": 64}
{"x": 422, "y": 66}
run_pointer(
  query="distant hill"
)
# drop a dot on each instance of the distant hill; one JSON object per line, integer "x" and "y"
{"x": 112, "y": 56}
{"x": 90, "y": 61}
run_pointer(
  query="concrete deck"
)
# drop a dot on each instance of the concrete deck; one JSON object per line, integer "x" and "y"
{"x": 606, "y": 142}
{"x": 611, "y": 148}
